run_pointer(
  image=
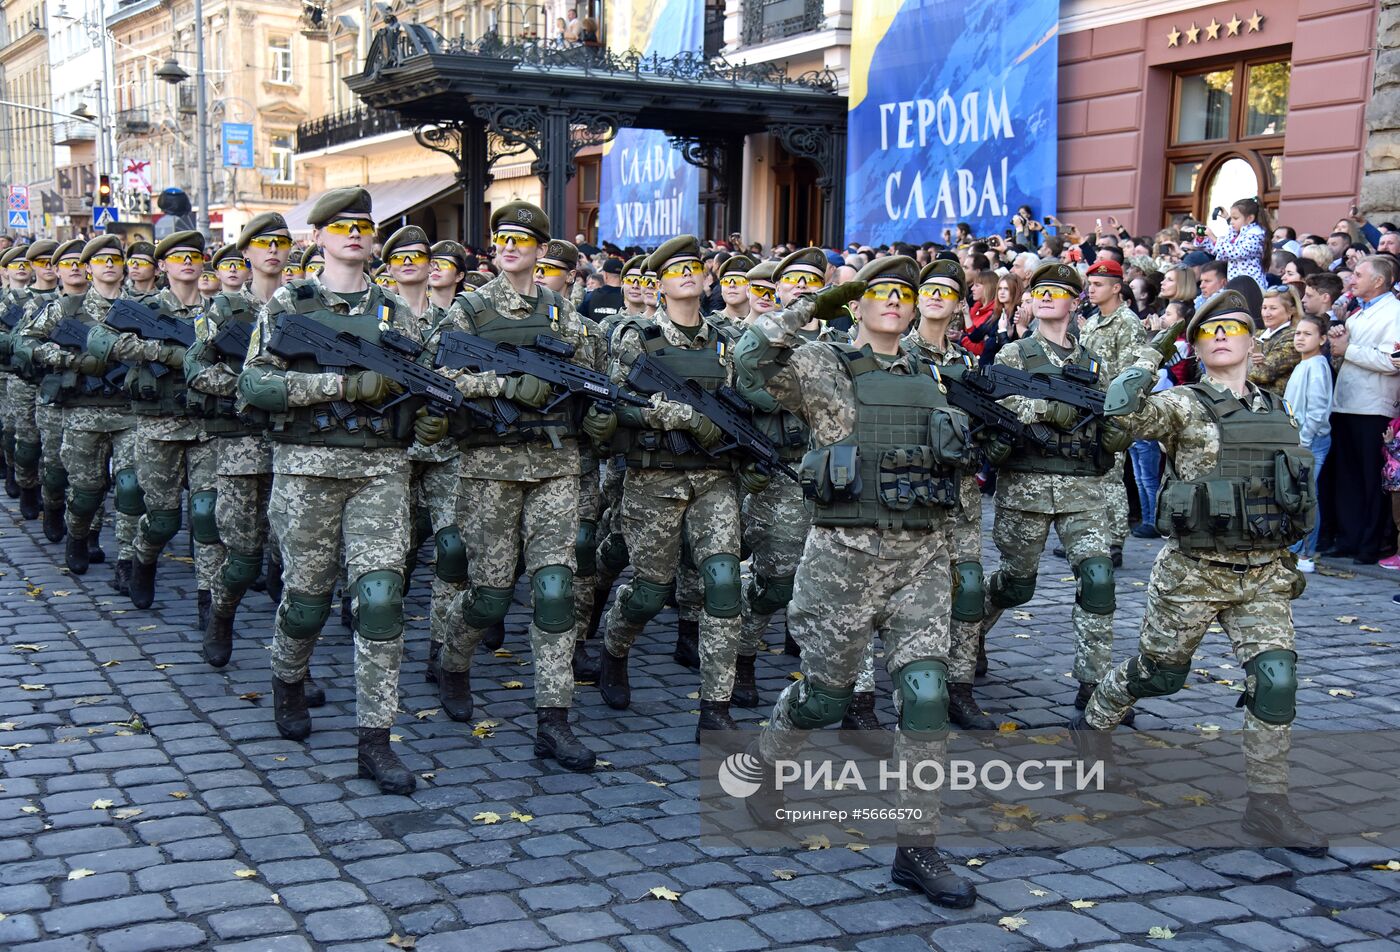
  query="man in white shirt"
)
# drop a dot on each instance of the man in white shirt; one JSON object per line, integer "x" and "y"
{"x": 1366, "y": 398}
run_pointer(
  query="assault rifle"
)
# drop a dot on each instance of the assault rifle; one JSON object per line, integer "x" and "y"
{"x": 72, "y": 334}
{"x": 547, "y": 359}
{"x": 1075, "y": 387}
{"x": 987, "y": 414}
{"x": 145, "y": 321}
{"x": 9, "y": 319}
{"x": 725, "y": 407}
{"x": 233, "y": 340}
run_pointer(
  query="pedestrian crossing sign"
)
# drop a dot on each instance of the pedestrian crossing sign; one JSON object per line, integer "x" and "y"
{"x": 15, "y": 218}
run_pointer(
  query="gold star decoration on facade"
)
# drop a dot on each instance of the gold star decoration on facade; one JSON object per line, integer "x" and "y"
{"x": 1255, "y": 22}
{"x": 1232, "y": 27}
{"x": 1212, "y": 30}
{"x": 1174, "y": 37}
{"x": 1192, "y": 32}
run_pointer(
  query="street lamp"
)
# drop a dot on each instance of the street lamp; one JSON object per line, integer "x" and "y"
{"x": 172, "y": 73}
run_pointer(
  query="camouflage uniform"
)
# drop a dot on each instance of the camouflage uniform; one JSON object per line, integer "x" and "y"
{"x": 22, "y": 394}
{"x": 1117, "y": 341}
{"x": 590, "y": 496}
{"x": 1280, "y": 357}
{"x": 326, "y": 497}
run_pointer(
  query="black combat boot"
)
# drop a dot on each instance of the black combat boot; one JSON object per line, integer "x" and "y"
{"x": 790, "y": 645}
{"x": 1115, "y": 554}
{"x": 981, "y": 669}
{"x": 600, "y": 608}
{"x": 380, "y": 764}
{"x": 121, "y": 577}
{"x": 54, "y": 527}
{"x": 494, "y": 636}
{"x": 30, "y": 502}
{"x": 687, "y": 653}
{"x": 274, "y": 580}
{"x": 455, "y": 693}
{"x": 923, "y": 869}
{"x": 555, "y": 738}
{"x": 1272, "y": 818}
{"x": 94, "y": 546}
{"x": 289, "y": 709}
{"x": 1093, "y": 744}
{"x": 347, "y": 616}
{"x": 218, "y": 639}
{"x": 745, "y": 693}
{"x": 612, "y": 681}
{"x": 143, "y": 584}
{"x": 315, "y": 694}
{"x": 1086, "y": 691}
{"x": 866, "y": 731}
{"x": 11, "y": 486}
{"x": 75, "y": 555}
{"x": 205, "y": 601}
{"x": 434, "y": 652}
{"x": 963, "y": 710}
{"x": 714, "y": 716}
{"x": 585, "y": 663}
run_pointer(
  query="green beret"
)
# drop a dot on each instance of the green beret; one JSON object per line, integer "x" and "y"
{"x": 102, "y": 243}
{"x": 341, "y": 203}
{"x": 1226, "y": 304}
{"x": 763, "y": 271}
{"x": 309, "y": 252}
{"x": 638, "y": 263}
{"x": 813, "y": 258}
{"x": 43, "y": 248}
{"x": 522, "y": 215}
{"x": 562, "y": 253}
{"x": 682, "y": 246}
{"x": 192, "y": 240}
{"x": 899, "y": 268}
{"x": 737, "y": 264}
{"x": 943, "y": 268}
{"x": 475, "y": 279}
{"x": 10, "y": 255}
{"x": 142, "y": 249}
{"x": 453, "y": 250}
{"x": 407, "y": 235}
{"x": 1061, "y": 275}
{"x": 227, "y": 251}
{"x": 262, "y": 224}
{"x": 73, "y": 246}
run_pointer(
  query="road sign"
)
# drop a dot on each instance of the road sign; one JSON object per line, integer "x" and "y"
{"x": 238, "y": 145}
{"x": 16, "y": 218}
{"x": 19, "y": 198}
{"x": 104, "y": 215}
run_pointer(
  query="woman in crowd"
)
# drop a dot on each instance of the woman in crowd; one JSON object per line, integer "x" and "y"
{"x": 1245, "y": 247}
{"x": 1275, "y": 355}
{"x": 1295, "y": 274}
{"x": 1320, "y": 255}
{"x": 982, "y": 314}
{"x": 1179, "y": 284}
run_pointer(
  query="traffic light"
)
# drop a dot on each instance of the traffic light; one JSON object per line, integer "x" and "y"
{"x": 104, "y": 190}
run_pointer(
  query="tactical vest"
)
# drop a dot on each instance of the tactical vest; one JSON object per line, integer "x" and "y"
{"x": 784, "y": 428}
{"x": 157, "y": 390}
{"x": 341, "y": 424}
{"x": 1072, "y": 454}
{"x": 69, "y": 388}
{"x": 1260, "y": 494}
{"x": 21, "y": 364}
{"x": 220, "y": 414}
{"x": 653, "y": 449}
{"x": 899, "y": 467}
{"x": 489, "y": 323}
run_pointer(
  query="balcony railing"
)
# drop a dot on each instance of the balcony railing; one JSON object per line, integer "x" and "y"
{"x": 134, "y": 121}
{"x": 767, "y": 20}
{"x": 69, "y": 131}
{"x": 283, "y": 191}
{"x": 350, "y": 125}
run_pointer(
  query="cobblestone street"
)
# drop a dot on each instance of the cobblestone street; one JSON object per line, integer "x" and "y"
{"x": 148, "y": 802}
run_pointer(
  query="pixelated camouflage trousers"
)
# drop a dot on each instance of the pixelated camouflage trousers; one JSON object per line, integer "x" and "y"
{"x": 590, "y": 509}
{"x": 240, "y": 510}
{"x": 1184, "y": 596}
{"x": 52, "y": 476}
{"x": 1020, "y": 537}
{"x": 436, "y": 491}
{"x": 162, "y": 468}
{"x": 1116, "y": 493}
{"x": 91, "y": 457}
{"x": 843, "y": 596}
{"x": 18, "y": 410}
{"x": 313, "y": 518}
{"x": 662, "y": 513}
{"x": 501, "y": 517}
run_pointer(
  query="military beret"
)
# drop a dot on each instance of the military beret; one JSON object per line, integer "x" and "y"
{"x": 73, "y": 246}
{"x": 947, "y": 269}
{"x": 102, "y": 243}
{"x": 407, "y": 235}
{"x": 1061, "y": 275}
{"x": 341, "y": 203}
{"x": 141, "y": 249}
{"x": 227, "y": 251}
{"x": 638, "y": 263}
{"x": 813, "y": 258}
{"x": 311, "y": 253}
{"x": 476, "y": 279}
{"x": 43, "y": 248}
{"x": 763, "y": 271}
{"x": 737, "y": 264}
{"x": 1105, "y": 268}
{"x": 523, "y": 216}
{"x": 180, "y": 239}
{"x": 11, "y": 255}
{"x": 262, "y": 224}
{"x": 560, "y": 252}
{"x": 899, "y": 268}
{"x": 612, "y": 266}
{"x": 453, "y": 250}
{"x": 1226, "y": 304}
{"x": 682, "y": 246}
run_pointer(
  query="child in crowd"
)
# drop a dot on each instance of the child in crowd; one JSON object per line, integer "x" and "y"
{"x": 1309, "y": 396}
{"x": 1390, "y": 482}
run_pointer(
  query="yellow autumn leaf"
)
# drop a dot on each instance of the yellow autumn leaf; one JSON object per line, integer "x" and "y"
{"x": 1160, "y": 932}
{"x": 111, "y": 664}
{"x": 276, "y": 898}
{"x": 102, "y": 804}
{"x": 127, "y": 813}
{"x": 1012, "y": 923}
{"x": 479, "y": 731}
{"x": 795, "y": 675}
{"x": 1208, "y": 728}
{"x": 161, "y": 667}
{"x": 1393, "y": 866}
{"x": 80, "y": 874}
{"x": 657, "y": 783}
{"x": 28, "y": 647}
{"x": 816, "y": 842}
{"x": 30, "y": 808}
{"x": 522, "y": 817}
{"x": 975, "y": 862}
{"x": 1199, "y": 799}
{"x": 250, "y": 696}
{"x": 280, "y": 759}
{"x": 487, "y": 725}
{"x": 13, "y": 747}
{"x": 1021, "y": 634}
{"x": 1039, "y": 892}
{"x": 402, "y": 941}
{"x": 486, "y": 816}
{"x": 1347, "y": 619}
{"x": 147, "y": 628}
{"x": 179, "y": 794}
{"x": 512, "y": 684}
{"x": 1008, "y": 727}
{"x": 33, "y": 687}
{"x": 604, "y": 763}
{"x": 784, "y": 874}
{"x": 61, "y": 593}
{"x": 395, "y": 738}
{"x": 1017, "y": 812}
{"x": 1082, "y": 903}
{"x": 245, "y": 873}
{"x": 1371, "y": 628}
{"x": 8, "y": 725}
{"x": 1042, "y": 738}
{"x": 503, "y": 653}
{"x": 1341, "y": 692}
{"x": 661, "y": 892}
{"x": 857, "y": 847}
{"x": 424, "y": 715}
{"x": 428, "y": 776}
{"x": 693, "y": 695}
{"x": 853, "y": 832}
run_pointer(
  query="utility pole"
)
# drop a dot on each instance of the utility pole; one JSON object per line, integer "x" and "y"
{"x": 201, "y": 117}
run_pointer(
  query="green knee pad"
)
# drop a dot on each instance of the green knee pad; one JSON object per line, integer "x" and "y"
{"x": 240, "y": 570}
{"x": 264, "y": 390}
{"x": 26, "y": 454}
{"x": 488, "y": 606}
{"x": 923, "y": 693}
{"x": 379, "y": 605}
{"x": 819, "y": 705}
{"x": 162, "y": 525}
{"x": 128, "y": 496}
{"x": 84, "y": 503}
{"x": 724, "y": 591}
{"x": 1095, "y": 593}
{"x": 451, "y": 563}
{"x": 303, "y": 616}
{"x": 612, "y": 554}
{"x": 643, "y": 601}
{"x": 203, "y": 525}
{"x": 1275, "y": 686}
{"x": 586, "y": 548}
{"x": 55, "y": 479}
{"x": 1149, "y": 678}
{"x": 1008, "y": 591}
{"x": 767, "y": 595}
{"x": 968, "y": 594}
{"x": 553, "y": 588}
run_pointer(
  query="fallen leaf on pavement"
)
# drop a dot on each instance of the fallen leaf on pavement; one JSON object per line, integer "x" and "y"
{"x": 13, "y": 747}
{"x": 1082, "y": 903}
{"x": 512, "y": 684}
{"x": 1347, "y": 619}
{"x": 522, "y": 817}
{"x": 424, "y": 715}
{"x": 1198, "y": 799}
{"x": 1393, "y": 866}
{"x": 816, "y": 842}
{"x": 975, "y": 862}
{"x": 179, "y": 794}
{"x": 402, "y": 941}
{"x": 1039, "y": 892}
{"x": 250, "y": 696}
{"x": 102, "y": 804}
{"x": 1341, "y": 692}
{"x": 1160, "y": 932}
{"x": 661, "y": 892}
{"x": 784, "y": 874}
{"x": 80, "y": 874}
{"x": 1008, "y": 727}
{"x": 128, "y": 813}
{"x": 486, "y": 816}
{"x": 1012, "y": 923}
{"x": 245, "y": 873}
{"x": 33, "y": 687}
{"x": 28, "y": 647}
{"x": 857, "y": 847}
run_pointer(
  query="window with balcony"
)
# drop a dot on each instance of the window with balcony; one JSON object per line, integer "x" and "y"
{"x": 279, "y": 50}
{"x": 767, "y": 20}
{"x": 281, "y": 157}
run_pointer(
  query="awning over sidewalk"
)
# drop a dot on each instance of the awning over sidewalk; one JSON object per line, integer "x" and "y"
{"x": 392, "y": 199}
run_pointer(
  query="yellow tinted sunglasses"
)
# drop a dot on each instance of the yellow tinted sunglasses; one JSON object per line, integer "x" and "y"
{"x": 734, "y": 281}
{"x": 1047, "y": 293}
{"x": 237, "y": 264}
{"x": 292, "y": 272}
{"x": 384, "y": 281}
{"x": 940, "y": 291}
{"x": 438, "y": 264}
{"x": 73, "y": 265}
{"x": 548, "y": 271}
{"x": 682, "y": 269}
{"x": 800, "y": 280}
{"x": 887, "y": 290}
{"x": 633, "y": 281}
{"x": 763, "y": 292}
{"x": 185, "y": 257}
{"x": 650, "y": 282}
{"x": 17, "y": 266}
{"x": 524, "y": 242}
{"x": 314, "y": 268}
{"x": 42, "y": 262}
{"x": 269, "y": 242}
{"x": 345, "y": 226}
{"x": 401, "y": 258}
{"x": 1229, "y": 327}
{"x": 106, "y": 261}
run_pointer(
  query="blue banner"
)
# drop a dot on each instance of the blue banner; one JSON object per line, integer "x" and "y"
{"x": 647, "y": 192}
{"x": 953, "y": 117}
{"x": 238, "y": 145}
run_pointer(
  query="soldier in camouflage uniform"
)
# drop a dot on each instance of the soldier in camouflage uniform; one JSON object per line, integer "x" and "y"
{"x": 877, "y": 557}
{"x": 446, "y": 272}
{"x": 335, "y": 487}
{"x": 1237, "y": 492}
{"x": 23, "y": 390}
{"x": 18, "y": 274}
{"x": 98, "y": 428}
{"x": 172, "y": 447}
{"x": 231, "y": 268}
{"x": 522, "y": 486}
{"x": 733, "y": 280}
{"x": 140, "y": 269}
{"x": 671, "y": 496}
{"x": 292, "y": 269}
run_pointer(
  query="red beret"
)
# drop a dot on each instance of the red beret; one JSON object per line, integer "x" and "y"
{"x": 1105, "y": 268}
